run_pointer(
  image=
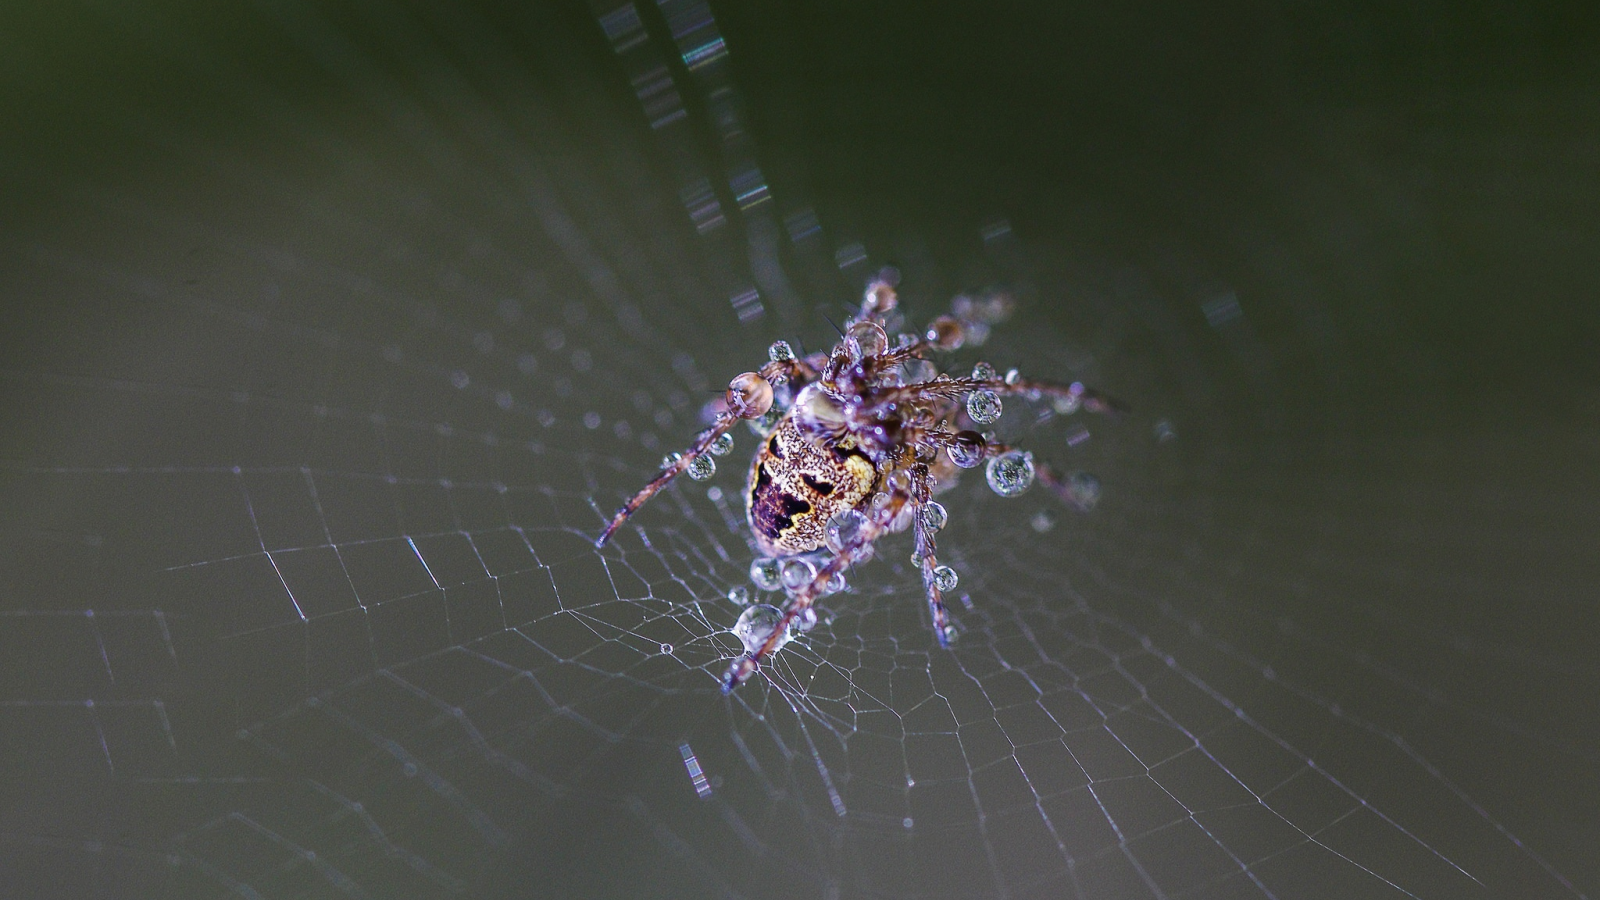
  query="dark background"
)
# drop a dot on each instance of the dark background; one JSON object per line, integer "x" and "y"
{"x": 248, "y": 254}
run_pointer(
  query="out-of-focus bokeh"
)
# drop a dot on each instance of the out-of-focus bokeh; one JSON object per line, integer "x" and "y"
{"x": 333, "y": 330}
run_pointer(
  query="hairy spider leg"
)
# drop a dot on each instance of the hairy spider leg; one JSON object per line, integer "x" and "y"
{"x": 955, "y": 388}
{"x": 923, "y": 491}
{"x": 795, "y": 371}
{"x": 851, "y": 553}
{"x": 701, "y": 445}
{"x": 1090, "y": 399}
{"x": 1045, "y": 474}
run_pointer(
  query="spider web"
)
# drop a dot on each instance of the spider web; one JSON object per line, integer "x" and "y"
{"x": 320, "y": 411}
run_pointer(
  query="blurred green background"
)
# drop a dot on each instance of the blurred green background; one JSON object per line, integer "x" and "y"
{"x": 1385, "y": 474}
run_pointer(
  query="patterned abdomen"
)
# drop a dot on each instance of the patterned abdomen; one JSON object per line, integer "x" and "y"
{"x": 796, "y": 486}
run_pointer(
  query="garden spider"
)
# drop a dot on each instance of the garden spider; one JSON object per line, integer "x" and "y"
{"x": 860, "y": 449}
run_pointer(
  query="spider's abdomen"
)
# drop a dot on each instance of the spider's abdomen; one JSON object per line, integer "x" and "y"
{"x": 797, "y": 485}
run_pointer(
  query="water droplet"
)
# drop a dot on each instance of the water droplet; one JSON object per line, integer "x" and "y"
{"x": 666, "y": 649}
{"x": 739, "y": 595}
{"x": 1042, "y": 521}
{"x": 1164, "y": 431}
{"x": 766, "y": 573}
{"x": 1068, "y": 404}
{"x": 723, "y": 445}
{"x": 780, "y": 351}
{"x": 951, "y": 632}
{"x": 844, "y": 529}
{"x": 1083, "y": 489}
{"x": 967, "y": 449}
{"x": 756, "y": 624}
{"x": 934, "y": 516}
{"x": 713, "y": 493}
{"x": 836, "y": 584}
{"x": 702, "y": 467}
{"x": 983, "y": 372}
{"x": 670, "y": 460}
{"x": 945, "y": 578}
{"x": 409, "y": 770}
{"x": 984, "y": 407}
{"x": 870, "y": 338}
{"x": 1013, "y": 376}
{"x": 804, "y": 620}
{"x": 797, "y": 573}
{"x": 946, "y": 333}
{"x": 1009, "y": 474}
{"x": 906, "y": 822}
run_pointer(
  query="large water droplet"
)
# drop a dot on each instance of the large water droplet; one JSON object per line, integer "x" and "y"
{"x": 844, "y": 529}
{"x": 766, "y": 573}
{"x": 1009, "y": 474}
{"x": 984, "y": 407}
{"x": 723, "y": 445}
{"x": 758, "y": 623}
{"x": 870, "y": 337}
{"x": 702, "y": 467}
{"x": 967, "y": 449}
{"x": 945, "y": 578}
{"x": 797, "y": 573}
{"x": 934, "y": 516}
{"x": 780, "y": 351}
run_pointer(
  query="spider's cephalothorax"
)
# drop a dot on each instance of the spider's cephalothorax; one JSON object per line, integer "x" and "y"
{"x": 871, "y": 434}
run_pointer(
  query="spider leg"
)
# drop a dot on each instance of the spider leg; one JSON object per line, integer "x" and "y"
{"x": 749, "y": 396}
{"x": 1047, "y": 476}
{"x": 857, "y": 550}
{"x": 922, "y": 491}
{"x": 1088, "y": 398}
{"x": 701, "y": 445}
{"x": 956, "y": 388}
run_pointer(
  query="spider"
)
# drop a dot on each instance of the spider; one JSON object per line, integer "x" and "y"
{"x": 864, "y": 442}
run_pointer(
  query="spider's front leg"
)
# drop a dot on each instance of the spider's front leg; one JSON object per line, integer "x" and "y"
{"x": 749, "y": 396}
{"x": 1073, "y": 395}
{"x": 1046, "y": 476}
